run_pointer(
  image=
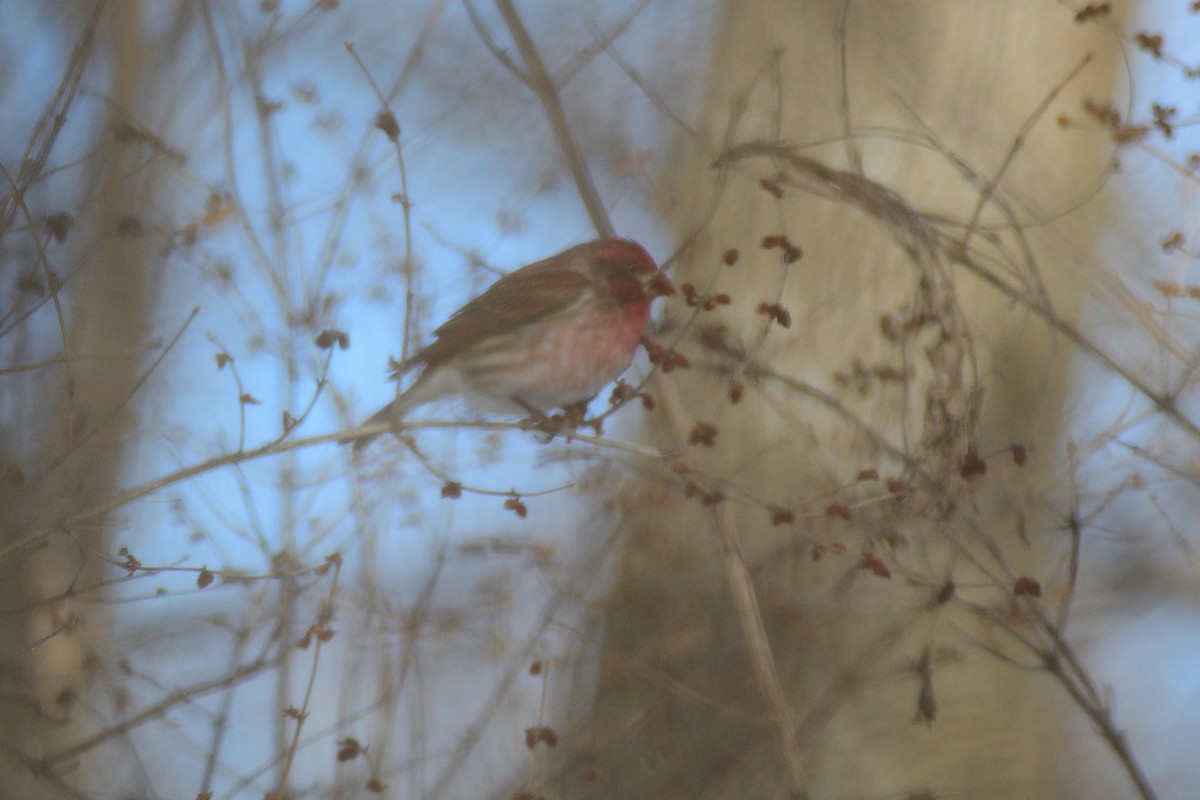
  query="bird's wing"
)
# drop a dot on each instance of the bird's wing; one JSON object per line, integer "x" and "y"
{"x": 518, "y": 299}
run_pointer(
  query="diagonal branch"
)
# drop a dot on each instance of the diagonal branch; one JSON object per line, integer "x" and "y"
{"x": 537, "y": 79}
{"x": 759, "y": 648}
{"x": 53, "y": 118}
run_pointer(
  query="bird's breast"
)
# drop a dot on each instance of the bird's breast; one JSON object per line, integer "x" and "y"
{"x": 564, "y": 359}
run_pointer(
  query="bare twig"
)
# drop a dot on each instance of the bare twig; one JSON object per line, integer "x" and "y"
{"x": 318, "y": 634}
{"x": 1075, "y": 529}
{"x": 654, "y": 97}
{"x": 758, "y": 648}
{"x": 225, "y": 92}
{"x": 54, "y": 117}
{"x": 486, "y": 37}
{"x": 1163, "y": 402}
{"x": 446, "y": 478}
{"x": 39, "y": 536}
{"x": 604, "y": 41}
{"x": 538, "y": 80}
{"x": 474, "y": 734}
{"x": 112, "y": 414}
{"x": 1018, "y": 143}
{"x": 32, "y": 366}
{"x": 226, "y": 359}
{"x": 853, "y": 151}
{"x": 220, "y": 726}
{"x": 156, "y": 711}
{"x": 18, "y": 196}
{"x": 1064, "y": 664}
{"x": 387, "y": 123}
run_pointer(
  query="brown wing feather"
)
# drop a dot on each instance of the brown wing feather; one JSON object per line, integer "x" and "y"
{"x": 518, "y": 299}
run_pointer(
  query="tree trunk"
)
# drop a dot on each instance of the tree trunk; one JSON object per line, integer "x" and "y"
{"x": 864, "y": 134}
{"x": 67, "y": 433}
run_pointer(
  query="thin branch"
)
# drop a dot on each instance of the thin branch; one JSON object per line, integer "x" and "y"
{"x": 220, "y": 726}
{"x": 517, "y": 667}
{"x": 757, "y": 371}
{"x": 1075, "y": 528}
{"x": 387, "y": 123}
{"x": 239, "y": 387}
{"x": 853, "y": 151}
{"x": 439, "y": 473}
{"x": 79, "y": 442}
{"x": 604, "y": 41}
{"x": 32, "y": 366}
{"x": 227, "y": 142}
{"x": 155, "y": 711}
{"x": 655, "y": 99}
{"x": 55, "y": 116}
{"x": 1018, "y": 143}
{"x": 538, "y": 80}
{"x": 1179, "y": 472}
{"x": 491, "y": 45}
{"x": 18, "y": 196}
{"x": 317, "y": 635}
{"x": 40, "y": 536}
{"x": 758, "y": 647}
{"x": 1079, "y": 685}
{"x": 1165, "y": 403}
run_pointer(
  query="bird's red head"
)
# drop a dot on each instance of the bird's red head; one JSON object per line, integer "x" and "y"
{"x": 630, "y": 271}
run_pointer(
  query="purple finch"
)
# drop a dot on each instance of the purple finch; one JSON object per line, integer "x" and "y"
{"x": 549, "y": 335}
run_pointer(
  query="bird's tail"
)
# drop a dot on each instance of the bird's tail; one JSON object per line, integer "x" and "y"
{"x": 406, "y": 401}
{"x": 388, "y": 413}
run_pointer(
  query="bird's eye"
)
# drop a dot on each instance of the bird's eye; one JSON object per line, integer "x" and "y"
{"x": 631, "y": 268}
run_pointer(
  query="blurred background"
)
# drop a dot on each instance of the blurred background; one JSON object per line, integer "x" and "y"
{"x": 912, "y": 518}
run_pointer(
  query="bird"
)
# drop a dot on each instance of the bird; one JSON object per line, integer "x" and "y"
{"x": 549, "y": 335}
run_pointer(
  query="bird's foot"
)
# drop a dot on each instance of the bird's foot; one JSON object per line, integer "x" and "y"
{"x": 545, "y": 428}
{"x": 570, "y": 419}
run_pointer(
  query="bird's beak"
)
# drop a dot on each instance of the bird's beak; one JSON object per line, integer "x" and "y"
{"x": 656, "y": 285}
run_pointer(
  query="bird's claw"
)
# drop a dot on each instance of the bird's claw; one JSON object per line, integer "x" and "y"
{"x": 549, "y": 426}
